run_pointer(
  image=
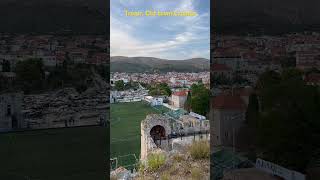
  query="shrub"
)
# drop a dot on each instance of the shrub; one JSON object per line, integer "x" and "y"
{"x": 156, "y": 160}
{"x": 196, "y": 174}
{"x": 140, "y": 167}
{"x": 200, "y": 150}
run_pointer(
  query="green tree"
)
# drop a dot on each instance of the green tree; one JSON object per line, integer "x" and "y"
{"x": 288, "y": 126}
{"x": 165, "y": 88}
{"x": 131, "y": 85}
{"x": 160, "y": 89}
{"x": 288, "y": 61}
{"x": 119, "y": 85}
{"x": 187, "y": 105}
{"x": 266, "y": 81}
{"x": 30, "y": 75}
{"x": 200, "y": 98}
{"x": 252, "y": 112}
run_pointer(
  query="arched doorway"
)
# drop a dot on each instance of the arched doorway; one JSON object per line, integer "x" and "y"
{"x": 158, "y": 133}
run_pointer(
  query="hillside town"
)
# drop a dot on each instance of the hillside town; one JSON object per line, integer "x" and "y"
{"x": 245, "y": 58}
{"x": 53, "y": 49}
{"x": 244, "y": 71}
{"x": 50, "y": 81}
{"x": 137, "y": 87}
{"x": 174, "y": 79}
{"x": 179, "y": 84}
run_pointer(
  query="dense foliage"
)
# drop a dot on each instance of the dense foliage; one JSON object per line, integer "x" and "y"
{"x": 161, "y": 89}
{"x": 198, "y": 100}
{"x": 287, "y": 126}
{"x": 30, "y": 75}
{"x": 119, "y": 85}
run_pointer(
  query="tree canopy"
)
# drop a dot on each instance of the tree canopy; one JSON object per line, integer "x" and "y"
{"x": 199, "y": 99}
{"x": 160, "y": 89}
{"x": 119, "y": 85}
{"x": 30, "y": 75}
{"x": 287, "y": 125}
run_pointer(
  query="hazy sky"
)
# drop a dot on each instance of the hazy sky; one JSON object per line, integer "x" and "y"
{"x": 162, "y": 37}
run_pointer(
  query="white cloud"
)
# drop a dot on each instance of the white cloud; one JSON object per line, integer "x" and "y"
{"x": 191, "y": 31}
{"x": 186, "y": 5}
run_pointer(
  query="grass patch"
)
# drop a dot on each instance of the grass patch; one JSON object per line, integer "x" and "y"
{"x": 156, "y": 160}
{"x": 140, "y": 167}
{"x": 200, "y": 150}
{"x": 196, "y": 174}
{"x": 64, "y": 154}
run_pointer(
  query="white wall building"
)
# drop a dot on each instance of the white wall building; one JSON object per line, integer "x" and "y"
{"x": 179, "y": 98}
{"x": 157, "y": 101}
{"x": 228, "y": 114}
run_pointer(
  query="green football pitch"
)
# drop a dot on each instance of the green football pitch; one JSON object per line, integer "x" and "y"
{"x": 65, "y": 154}
{"x": 125, "y": 129}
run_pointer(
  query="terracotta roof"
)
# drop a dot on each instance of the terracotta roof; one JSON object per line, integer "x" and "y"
{"x": 228, "y": 102}
{"x": 180, "y": 93}
{"x": 220, "y": 67}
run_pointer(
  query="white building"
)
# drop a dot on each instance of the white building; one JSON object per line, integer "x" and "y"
{"x": 198, "y": 116}
{"x": 112, "y": 82}
{"x": 173, "y": 80}
{"x": 49, "y": 61}
{"x": 179, "y": 99}
{"x": 228, "y": 114}
{"x": 157, "y": 101}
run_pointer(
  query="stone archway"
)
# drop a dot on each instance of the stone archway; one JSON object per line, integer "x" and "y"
{"x": 158, "y": 133}
{"x": 153, "y": 127}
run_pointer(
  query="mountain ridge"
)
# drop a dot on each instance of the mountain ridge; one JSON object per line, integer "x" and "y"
{"x": 152, "y": 64}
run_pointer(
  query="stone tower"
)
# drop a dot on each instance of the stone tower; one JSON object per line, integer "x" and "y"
{"x": 154, "y": 132}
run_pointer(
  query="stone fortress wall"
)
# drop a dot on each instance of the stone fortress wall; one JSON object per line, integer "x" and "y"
{"x": 156, "y": 130}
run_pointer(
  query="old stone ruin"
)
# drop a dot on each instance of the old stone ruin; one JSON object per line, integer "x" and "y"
{"x": 160, "y": 132}
{"x": 163, "y": 134}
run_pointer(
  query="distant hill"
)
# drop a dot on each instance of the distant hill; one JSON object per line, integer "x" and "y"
{"x": 46, "y": 16}
{"x": 265, "y": 16}
{"x": 151, "y": 64}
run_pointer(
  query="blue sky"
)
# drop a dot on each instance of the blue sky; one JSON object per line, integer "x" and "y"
{"x": 162, "y": 37}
